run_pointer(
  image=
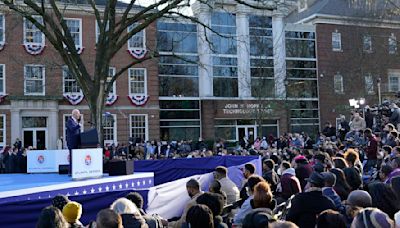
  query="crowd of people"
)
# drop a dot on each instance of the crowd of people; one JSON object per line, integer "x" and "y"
{"x": 347, "y": 176}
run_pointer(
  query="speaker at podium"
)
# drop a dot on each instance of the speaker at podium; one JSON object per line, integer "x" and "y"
{"x": 89, "y": 138}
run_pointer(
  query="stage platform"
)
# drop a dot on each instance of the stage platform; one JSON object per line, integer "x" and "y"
{"x": 27, "y": 187}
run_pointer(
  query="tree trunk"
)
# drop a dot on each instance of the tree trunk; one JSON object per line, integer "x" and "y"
{"x": 96, "y": 105}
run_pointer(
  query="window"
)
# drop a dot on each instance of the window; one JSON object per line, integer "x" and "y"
{"x": 98, "y": 31}
{"x": 110, "y": 129}
{"x": 138, "y": 40}
{"x": 34, "y": 83}
{"x": 302, "y": 5}
{"x": 32, "y": 34}
{"x": 2, "y": 130}
{"x": 369, "y": 84}
{"x": 138, "y": 125}
{"x": 75, "y": 28}
{"x": 367, "y": 43}
{"x": 111, "y": 74}
{"x": 2, "y": 29}
{"x": 336, "y": 41}
{"x": 137, "y": 81}
{"x": 392, "y": 44}
{"x": 180, "y": 120}
{"x": 338, "y": 84}
{"x": 394, "y": 81}
{"x": 225, "y": 81}
{"x": 70, "y": 85}
{"x": 2, "y": 79}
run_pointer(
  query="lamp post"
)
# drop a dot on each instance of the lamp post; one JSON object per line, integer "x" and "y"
{"x": 378, "y": 82}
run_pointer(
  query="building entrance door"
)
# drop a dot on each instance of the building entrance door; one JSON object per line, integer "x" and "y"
{"x": 249, "y": 131}
{"x": 35, "y": 137}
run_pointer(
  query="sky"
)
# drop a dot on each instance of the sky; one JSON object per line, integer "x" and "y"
{"x": 149, "y": 2}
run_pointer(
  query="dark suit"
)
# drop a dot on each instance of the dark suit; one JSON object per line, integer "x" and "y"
{"x": 73, "y": 134}
{"x": 72, "y": 137}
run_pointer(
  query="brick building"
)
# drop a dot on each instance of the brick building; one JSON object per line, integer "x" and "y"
{"x": 258, "y": 78}
{"x": 356, "y": 48}
{"x": 37, "y": 84}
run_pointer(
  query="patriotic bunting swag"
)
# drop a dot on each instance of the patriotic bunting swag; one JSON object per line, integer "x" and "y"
{"x": 80, "y": 50}
{"x": 111, "y": 99}
{"x": 34, "y": 49}
{"x": 137, "y": 53}
{"x": 74, "y": 99}
{"x": 138, "y": 100}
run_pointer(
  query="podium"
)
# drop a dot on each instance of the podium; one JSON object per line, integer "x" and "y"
{"x": 89, "y": 139}
{"x": 87, "y": 163}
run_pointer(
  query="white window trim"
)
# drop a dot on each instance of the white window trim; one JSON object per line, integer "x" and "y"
{"x": 372, "y": 92}
{"x": 392, "y": 37}
{"x": 394, "y": 74}
{"x": 24, "y": 30}
{"x": 301, "y": 9}
{"x": 65, "y": 127}
{"x": 115, "y": 82}
{"x": 4, "y": 29}
{"x": 144, "y": 38}
{"x": 145, "y": 81}
{"x": 338, "y": 39}
{"x": 334, "y": 83}
{"x": 43, "y": 80}
{"x": 80, "y": 30}
{"x": 146, "y": 125}
{"x": 97, "y": 30}
{"x": 364, "y": 41}
{"x": 114, "y": 132}
{"x": 3, "y": 144}
{"x": 63, "y": 80}
{"x": 4, "y": 79}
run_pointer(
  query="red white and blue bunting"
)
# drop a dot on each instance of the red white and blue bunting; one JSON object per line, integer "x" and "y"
{"x": 79, "y": 50}
{"x": 2, "y": 44}
{"x": 137, "y": 53}
{"x": 34, "y": 49}
{"x": 111, "y": 99}
{"x": 74, "y": 98}
{"x": 138, "y": 100}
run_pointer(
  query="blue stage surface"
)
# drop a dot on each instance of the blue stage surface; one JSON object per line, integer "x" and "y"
{"x": 22, "y": 187}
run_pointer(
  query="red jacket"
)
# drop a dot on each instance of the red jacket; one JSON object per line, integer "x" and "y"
{"x": 372, "y": 148}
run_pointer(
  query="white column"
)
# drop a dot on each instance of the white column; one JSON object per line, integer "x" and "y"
{"x": 203, "y": 38}
{"x": 243, "y": 51}
{"x": 15, "y": 125}
{"x": 52, "y": 127}
{"x": 278, "y": 31}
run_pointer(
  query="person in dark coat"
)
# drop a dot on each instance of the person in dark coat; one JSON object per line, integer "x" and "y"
{"x": 73, "y": 133}
{"x": 10, "y": 161}
{"x": 344, "y": 128}
{"x": 306, "y": 206}
{"x": 329, "y": 130}
{"x": 151, "y": 221}
{"x": 269, "y": 174}
{"x": 215, "y": 202}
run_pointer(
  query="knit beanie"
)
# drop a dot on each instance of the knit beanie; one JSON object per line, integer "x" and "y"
{"x": 72, "y": 211}
{"x": 372, "y": 217}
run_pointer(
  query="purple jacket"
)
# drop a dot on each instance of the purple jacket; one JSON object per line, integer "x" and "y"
{"x": 290, "y": 183}
{"x": 394, "y": 173}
